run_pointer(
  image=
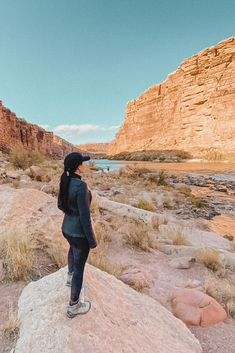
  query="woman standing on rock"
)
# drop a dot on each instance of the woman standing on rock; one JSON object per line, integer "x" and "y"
{"x": 74, "y": 200}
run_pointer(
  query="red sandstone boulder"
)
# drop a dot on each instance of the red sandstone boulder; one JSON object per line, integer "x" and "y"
{"x": 197, "y": 308}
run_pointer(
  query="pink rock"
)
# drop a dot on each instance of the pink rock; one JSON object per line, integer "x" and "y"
{"x": 136, "y": 278}
{"x": 197, "y": 308}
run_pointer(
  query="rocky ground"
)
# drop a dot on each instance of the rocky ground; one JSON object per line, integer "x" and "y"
{"x": 198, "y": 214}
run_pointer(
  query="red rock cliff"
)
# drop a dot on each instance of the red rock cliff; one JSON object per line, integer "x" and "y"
{"x": 15, "y": 131}
{"x": 193, "y": 110}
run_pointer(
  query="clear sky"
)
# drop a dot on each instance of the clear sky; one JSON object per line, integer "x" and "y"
{"x": 72, "y": 65}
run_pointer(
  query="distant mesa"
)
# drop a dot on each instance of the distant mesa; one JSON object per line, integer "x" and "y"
{"x": 15, "y": 131}
{"x": 192, "y": 111}
{"x": 96, "y": 150}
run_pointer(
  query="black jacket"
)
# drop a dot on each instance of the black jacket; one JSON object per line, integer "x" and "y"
{"x": 78, "y": 223}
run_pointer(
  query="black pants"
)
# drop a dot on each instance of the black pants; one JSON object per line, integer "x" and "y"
{"x": 77, "y": 256}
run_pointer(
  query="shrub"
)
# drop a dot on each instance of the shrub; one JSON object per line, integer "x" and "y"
{"x": 98, "y": 258}
{"x": 121, "y": 198}
{"x": 211, "y": 258}
{"x": 95, "y": 208}
{"x": 16, "y": 184}
{"x": 159, "y": 179}
{"x": 145, "y": 205}
{"x": 138, "y": 236}
{"x": 24, "y": 158}
{"x": 223, "y": 291}
{"x": 197, "y": 202}
{"x": 176, "y": 234}
{"x": 133, "y": 171}
{"x": 179, "y": 239}
{"x": 57, "y": 254}
{"x": 167, "y": 203}
{"x": 213, "y": 156}
{"x": 12, "y": 325}
{"x": 17, "y": 248}
{"x": 102, "y": 232}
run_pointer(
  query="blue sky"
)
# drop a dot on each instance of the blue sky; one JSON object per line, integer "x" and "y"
{"x": 72, "y": 65}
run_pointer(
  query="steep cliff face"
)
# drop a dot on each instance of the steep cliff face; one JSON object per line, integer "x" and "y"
{"x": 193, "y": 110}
{"x": 15, "y": 131}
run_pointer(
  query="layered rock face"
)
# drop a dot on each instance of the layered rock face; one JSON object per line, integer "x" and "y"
{"x": 120, "y": 320}
{"x": 193, "y": 110}
{"x": 94, "y": 147}
{"x": 15, "y": 131}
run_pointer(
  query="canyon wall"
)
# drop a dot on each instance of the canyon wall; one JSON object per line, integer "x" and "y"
{"x": 94, "y": 147}
{"x": 15, "y": 131}
{"x": 193, "y": 110}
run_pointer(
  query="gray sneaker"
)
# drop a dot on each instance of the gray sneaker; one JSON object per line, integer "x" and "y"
{"x": 78, "y": 309}
{"x": 69, "y": 279}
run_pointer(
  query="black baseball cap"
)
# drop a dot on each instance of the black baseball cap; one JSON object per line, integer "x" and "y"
{"x": 73, "y": 160}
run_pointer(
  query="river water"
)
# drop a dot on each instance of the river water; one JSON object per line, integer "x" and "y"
{"x": 220, "y": 170}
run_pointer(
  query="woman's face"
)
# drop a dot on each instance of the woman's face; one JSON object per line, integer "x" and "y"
{"x": 82, "y": 168}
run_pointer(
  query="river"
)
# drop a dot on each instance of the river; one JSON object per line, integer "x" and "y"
{"x": 221, "y": 170}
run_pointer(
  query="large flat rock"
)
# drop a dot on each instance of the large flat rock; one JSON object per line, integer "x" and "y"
{"x": 120, "y": 320}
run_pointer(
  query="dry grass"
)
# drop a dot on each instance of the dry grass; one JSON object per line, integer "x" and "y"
{"x": 98, "y": 258}
{"x": 17, "y": 249}
{"x": 12, "y": 325}
{"x": 158, "y": 221}
{"x": 133, "y": 171}
{"x": 167, "y": 203}
{"x": 121, "y": 198}
{"x": 95, "y": 208}
{"x": 145, "y": 205}
{"x": 102, "y": 232}
{"x": 138, "y": 236}
{"x": 176, "y": 233}
{"x": 139, "y": 286}
{"x": 179, "y": 239}
{"x": 159, "y": 178}
{"x": 23, "y": 158}
{"x": 16, "y": 184}
{"x": 197, "y": 202}
{"x": 211, "y": 258}
{"x": 223, "y": 291}
{"x": 57, "y": 254}
{"x": 213, "y": 156}
{"x": 185, "y": 190}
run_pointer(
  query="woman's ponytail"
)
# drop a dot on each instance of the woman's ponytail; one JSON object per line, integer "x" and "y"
{"x": 62, "y": 202}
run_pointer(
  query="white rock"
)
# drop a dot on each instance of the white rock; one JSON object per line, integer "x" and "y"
{"x": 120, "y": 320}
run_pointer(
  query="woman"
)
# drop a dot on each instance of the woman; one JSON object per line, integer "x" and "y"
{"x": 74, "y": 200}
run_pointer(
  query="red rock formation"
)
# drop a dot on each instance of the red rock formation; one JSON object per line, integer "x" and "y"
{"x": 94, "y": 147}
{"x": 15, "y": 131}
{"x": 193, "y": 110}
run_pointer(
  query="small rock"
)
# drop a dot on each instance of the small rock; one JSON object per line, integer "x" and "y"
{"x": 194, "y": 283}
{"x": 25, "y": 178}
{"x": 221, "y": 188}
{"x": 13, "y": 175}
{"x": 182, "y": 262}
{"x": 48, "y": 188}
{"x": 135, "y": 278}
